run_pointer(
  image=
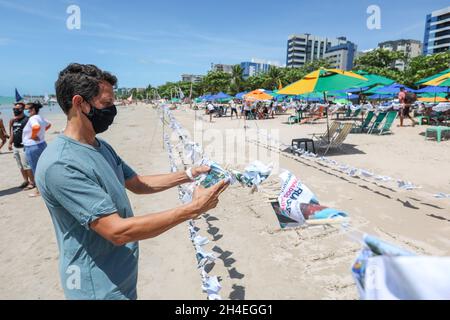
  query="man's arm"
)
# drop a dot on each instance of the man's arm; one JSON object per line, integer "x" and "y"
{"x": 11, "y": 136}
{"x": 120, "y": 231}
{"x": 158, "y": 183}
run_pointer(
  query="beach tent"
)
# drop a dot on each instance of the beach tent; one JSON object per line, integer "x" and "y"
{"x": 379, "y": 96}
{"x": 431, "y": 89}
{"x": 241, "y": 95}
{"x": 324, "y": 80}
{"x": 221, "y": 96}
{"x": 391, "y": 89}
{"x": 208, "y": 97}
{"x": 258, "y": 95}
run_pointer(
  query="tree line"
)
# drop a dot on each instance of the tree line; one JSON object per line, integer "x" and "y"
{"x": 379, "y": 61}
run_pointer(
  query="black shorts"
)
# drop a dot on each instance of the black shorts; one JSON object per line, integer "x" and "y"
{"x": 406, "y": 111}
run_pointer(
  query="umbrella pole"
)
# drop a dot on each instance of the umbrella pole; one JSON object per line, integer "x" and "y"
{"x": 328, "y": 124}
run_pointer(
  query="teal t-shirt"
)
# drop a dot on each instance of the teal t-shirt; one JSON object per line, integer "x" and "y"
{"x": 79, "y": 184}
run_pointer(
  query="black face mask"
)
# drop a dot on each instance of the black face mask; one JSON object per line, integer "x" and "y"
{"x": 17, "y": 112}
{"x": 101, "y": 119}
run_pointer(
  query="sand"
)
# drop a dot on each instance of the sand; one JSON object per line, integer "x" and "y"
{"x": 257, "y": 260}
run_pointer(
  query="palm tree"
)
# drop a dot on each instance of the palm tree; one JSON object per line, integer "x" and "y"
{"x": 236, "y": 78}
{"x": 273, "y": 78}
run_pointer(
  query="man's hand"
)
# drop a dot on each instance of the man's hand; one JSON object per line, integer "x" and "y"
{"x": 197, "y": 171}
{"x": 10, "y": 147}
{"x": 204, "y": 200}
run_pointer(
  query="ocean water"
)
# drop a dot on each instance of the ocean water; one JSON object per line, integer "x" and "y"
{"x": 7, "y": 103}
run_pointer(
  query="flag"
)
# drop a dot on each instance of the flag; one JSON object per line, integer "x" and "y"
{"x": 18, "y": 96}
{"x": 181, "y": 93}
{"x": 190, "y": 92}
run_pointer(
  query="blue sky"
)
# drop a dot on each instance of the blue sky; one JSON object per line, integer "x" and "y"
{"x": 151, "y": 42}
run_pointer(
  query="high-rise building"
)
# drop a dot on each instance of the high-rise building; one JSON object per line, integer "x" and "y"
{"x": 227, "y": 68}
{"x": 256, "y": 66}
{"x": 341, "y": 56}
{"x": 437, "y": 32}
{"x": 303, "y": 48}
{"x": 191, "y": 78}
{"x": 411, "y": 48}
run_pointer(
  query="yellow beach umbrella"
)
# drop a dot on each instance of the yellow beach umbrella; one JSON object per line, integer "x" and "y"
{"x": 324, "y": 80}
{"x": 441, "y": 81}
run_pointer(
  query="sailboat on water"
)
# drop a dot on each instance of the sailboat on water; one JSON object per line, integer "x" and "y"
{"x": 18, "y": 96}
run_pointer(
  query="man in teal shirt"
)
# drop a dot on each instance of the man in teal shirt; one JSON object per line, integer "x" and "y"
{"x": 83, "y": 183}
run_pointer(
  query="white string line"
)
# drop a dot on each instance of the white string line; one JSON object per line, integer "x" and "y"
{"x": 350, "y": 170}
{"x": 210, "y": 284}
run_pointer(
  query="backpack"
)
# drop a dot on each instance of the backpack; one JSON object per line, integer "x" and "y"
{"x": 410, "y": 97}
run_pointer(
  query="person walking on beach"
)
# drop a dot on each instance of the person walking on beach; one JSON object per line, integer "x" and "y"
{"x": 211, "y": 110}
{"x": 273, "y": 106}
{"x": 233, "y": 109}
{"x": 3, "y": 135}
{"x": 16, "y": 126}
{"x": 405, "y": 106}
{"x": 34, "y": 136}
{"x": 83, "y": 182}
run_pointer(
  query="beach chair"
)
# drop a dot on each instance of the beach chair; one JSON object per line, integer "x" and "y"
{"x": 378, "y": 120}
{"x": 439, "y": 130}
{"x": 356, "y": 113}
{"x": 390, "y": 118}
{"x": 323, "y": 137}
{"x": 336, "y": 142}
{"x": 295, "y": 119}
{"x": 421, "y": 118}
{"x": 348, "y": 113}
{"x": 365, "y": 125}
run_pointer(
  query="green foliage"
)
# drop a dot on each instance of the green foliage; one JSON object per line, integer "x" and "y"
{"x": 237, "y": 81}
{"x": 379, "y": 58}
{"x": 425, "y": 66}
{"x": 379, "y": 62}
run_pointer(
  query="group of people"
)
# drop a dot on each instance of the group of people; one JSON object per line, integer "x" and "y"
{"x": 247, "y": 109}
{"x": 26, "y": 139}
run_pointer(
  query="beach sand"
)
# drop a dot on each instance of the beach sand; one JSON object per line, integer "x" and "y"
{"x": 257, "y": 260}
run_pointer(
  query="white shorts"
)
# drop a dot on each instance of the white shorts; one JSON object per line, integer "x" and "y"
{"x": 21, "y": 159}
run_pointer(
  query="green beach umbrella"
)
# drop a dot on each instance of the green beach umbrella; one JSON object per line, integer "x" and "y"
{"x": 323, "y": 80}
{"x": 374, "y": 79}
{"x": 434, "y": 77}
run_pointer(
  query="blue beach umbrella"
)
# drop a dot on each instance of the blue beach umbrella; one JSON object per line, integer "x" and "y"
{"x": 241, "y": 95}
{"x": 432, "y": 89}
